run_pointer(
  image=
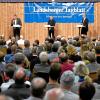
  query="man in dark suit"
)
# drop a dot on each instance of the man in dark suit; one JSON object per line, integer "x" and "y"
{"x": 51, "y": 22}
{"x": 85, "y": 21}
{"x": 16, "y": 24}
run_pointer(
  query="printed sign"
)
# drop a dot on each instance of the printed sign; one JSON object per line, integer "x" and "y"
{"x": 62, "y": 12}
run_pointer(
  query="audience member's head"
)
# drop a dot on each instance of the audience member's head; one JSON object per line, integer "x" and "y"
{"x": 40, "y": 48}
{"x": 81, "y": 69}
{"x": 91, "y": 56}
{"x": 55, "y": 48}
{"x": 19, "y": 58}
{"x": 10, "y": 69}
{"x": 86, "y": 91}
{"x": 34, "y": 49}
{"x": 36, "y": 43}
{"x": 51, "y": 40}
{"x": 55, "y": 71}
{"x": 19, "y": 76}
{"x": 13, "y": 40}
{"x": 63, "y": 41}
{"x": 54, "y": 94}
{"x": 71, "y": 50}
{"x": 58, "y": 38}
{"x": 63, "y": 57}
{"x": 13, "y": 49}
{"x": 67, "y": 80}
{"x": 21, "y": 37}
{"x": 85, "y": 55}
{"x": 1, "y": 42}
{"x": 37, "y": 87}
{"x": 43, "y": 56}
{"x": 27, "y": 43}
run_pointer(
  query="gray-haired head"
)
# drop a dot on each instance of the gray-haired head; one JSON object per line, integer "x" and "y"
{"x": 43, "y": 57}
{"x": 67, "y": 79}
{"x": 54, "y": 94}
{"x": 27, "y": 43}
{"x": 19, "y": 58}
{"x": 91, "y": 56}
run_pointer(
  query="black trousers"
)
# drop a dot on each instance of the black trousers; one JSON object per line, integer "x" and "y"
{"x": 84, "y": 30}
{"x": 16, "y": 32}
{"x": 51, "y": 33}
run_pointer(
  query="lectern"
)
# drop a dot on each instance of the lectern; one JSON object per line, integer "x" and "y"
{"x": 79, "y": 27}
{"x": 48, "y": 26}
{"x": 16, "y": 26}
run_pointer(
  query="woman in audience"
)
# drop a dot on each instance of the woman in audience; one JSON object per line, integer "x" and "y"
{"x": 82, "y": 73}
{"x": 65, "y": 65}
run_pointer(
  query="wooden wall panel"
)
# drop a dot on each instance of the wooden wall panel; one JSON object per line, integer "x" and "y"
{"x": 34, "y": 31}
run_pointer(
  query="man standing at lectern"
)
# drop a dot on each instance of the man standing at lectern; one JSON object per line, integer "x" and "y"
{"x": 84, "y": 29}
{"x": 51, "y": 22}
{"x": 16, "y": 24}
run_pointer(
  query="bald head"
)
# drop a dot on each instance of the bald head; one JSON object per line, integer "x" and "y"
{"x": 20, "y": 76}
{"x": 51, "y": 17}
{"x": 38, "y": 82}
{"x": 38, "y": 86}
{"x": 54, "y": 94}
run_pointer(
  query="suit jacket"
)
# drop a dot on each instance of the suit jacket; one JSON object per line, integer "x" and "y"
{"x": 18, "y": 21}
{"x": 85, "y": 23}
{"x": 51, "y": 23}
{"x": 84, "y": 30}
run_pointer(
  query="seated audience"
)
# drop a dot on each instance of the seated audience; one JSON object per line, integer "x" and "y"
{"x": 93, "y": 65}
{"x": 54, "y": 53}
{"x": 34, "y": 59}
{"x": 66, "y": 83}
{"x": 27, "y": 50}
{"x": 54, "y": 75}
{"x": 21, "y": 61}
{"x": 19, "y": 86}
{"x": 42, "y": 69}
